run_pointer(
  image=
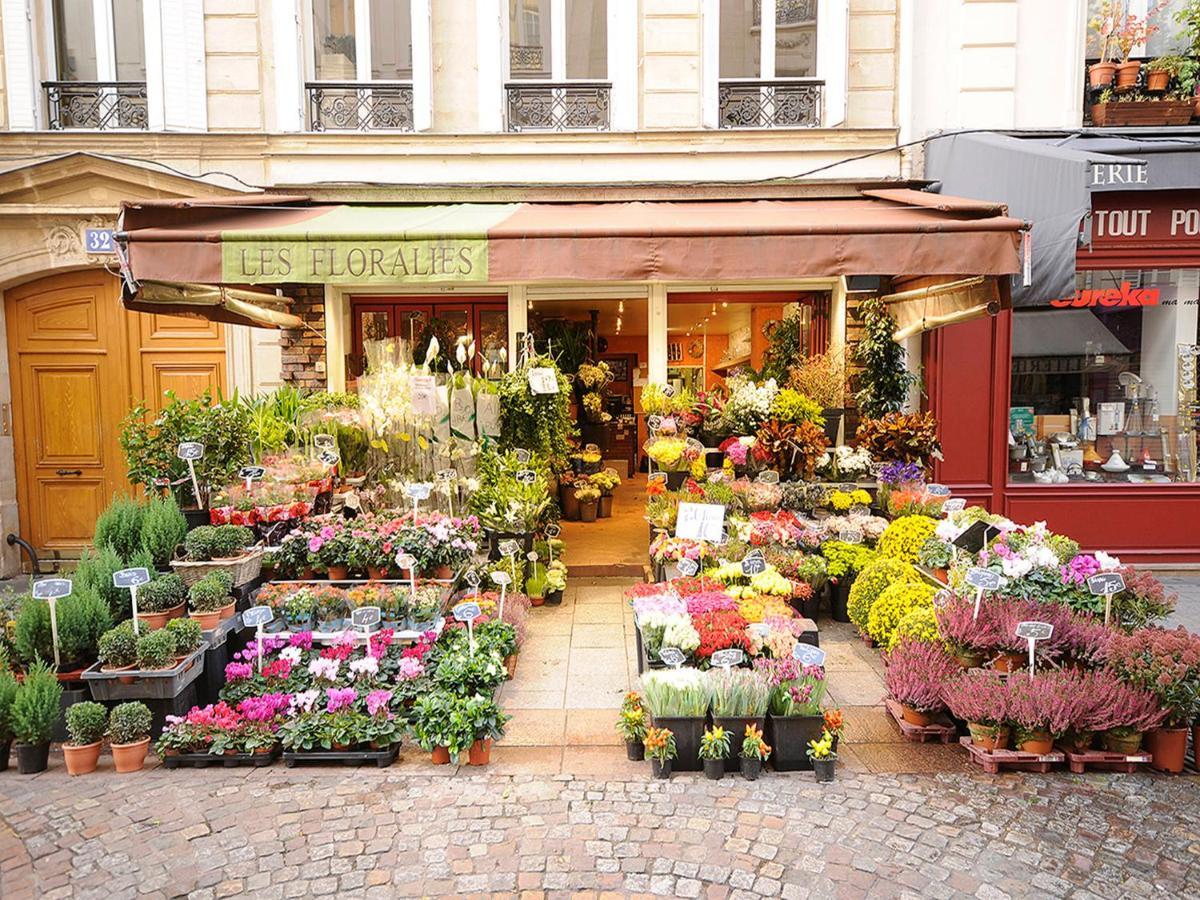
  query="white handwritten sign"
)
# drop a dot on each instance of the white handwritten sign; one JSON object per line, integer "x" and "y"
{"x": 727, "y": 659}
{"x": 672, "y": 656}
{"x": 953, "y": 505}
{"x": 543, "y": 381}
{"x": 419, "y": 490}
{"x": 700, "y": 521}
{"x": 423, "y": 394}
{"x": 687, "y": 567}
{"x": 526, "y": 476}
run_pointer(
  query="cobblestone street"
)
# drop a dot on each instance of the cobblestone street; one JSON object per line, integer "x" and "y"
{"x": 293, "y": 833}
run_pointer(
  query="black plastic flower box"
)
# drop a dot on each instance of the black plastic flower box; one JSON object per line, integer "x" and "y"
{"x": 229, "y": 761}
{"x": 378, "y": 758}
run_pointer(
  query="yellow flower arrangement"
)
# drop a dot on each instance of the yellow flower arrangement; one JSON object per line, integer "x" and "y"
{"x": 893, "y": 605}
{"x": 669, "y": 453}
{"x": 919, "y": 624}
{"x": 757, "y": 607}
{"x": 699, "y": 469}
{"x": 769, "y": 581}
{"x": 872, "y": 581}
{"x": 904, "y": 538}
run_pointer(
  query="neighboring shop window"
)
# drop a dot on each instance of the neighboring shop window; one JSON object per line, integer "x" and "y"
{"x": 413, "y": 323}
{"x": 1102, "y": 381}
{"x": 99, "y": 66}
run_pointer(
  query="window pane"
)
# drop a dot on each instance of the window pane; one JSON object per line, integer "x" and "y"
{"x": 740, "y": 52}
{"x": 1169, "y": 37}
{"x": 796, "y": 38}
{"x": 529, "y": 38}
{"x": 333, "y": 40}
{"x": 75, "y": 40}
{"x": 391, "y": 40}
{"x": 130, "y": 40}
{"x": 587, "y": 39}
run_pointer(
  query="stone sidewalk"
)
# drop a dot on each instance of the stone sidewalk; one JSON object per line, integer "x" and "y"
{"x": 408, "y": 831}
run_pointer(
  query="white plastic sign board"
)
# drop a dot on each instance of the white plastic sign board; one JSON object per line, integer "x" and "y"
{"x": 668, "y": 390}
{"x": 687, "y": 567}
{"x": 251, "y": 473}
{"x": 467, "y": 612}
{"x": 753, "y": 564}
{"x": 808, "y": 655}
{"x": 937, "y": 490}
{"x": 509, "y": 548}
{"x": 523, "y": 456}
{"x": 1106, "y": 583}
{"x": 419, "y": 490}
{"x": 543, "y": 381}
{"x": 672, "y": 656}
{"x": 850, "y": 535}
{"x": 366, "y": 616}
{"x": 446, "y": 475}
{"x": 257, "y": 615}
{"x": 858, "y": 511}
{"x": 526, "y": 476}
{"x": 131, "y": 578}
{"x": 954, "y": 504}
{"x": 190, "y": 450}
{"x": 654, "y": 423}
{"x": 329, "y": 458}
{"x": 728, "y": 658}
{"x": 52, "y": 588}
{"x": 656, "y": 476}
{"x": 501, "y": 578}
{"x": 983, "y": 579}
{"x": 553, "y": 530}
{"x": 700, "y": 521}
{"x": 405, "y": 560}
{"x": 761, "y": 630}
{"x": 423, "y": 394}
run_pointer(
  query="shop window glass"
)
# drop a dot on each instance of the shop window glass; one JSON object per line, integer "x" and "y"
{"x": 587, "y": 39}
{"x": 741, "y": 49}
{"x": 130, "y": 41}
{"x": 795, "y": 38}
{"x": 529, "y": 38}
{"x": 1102, "y": 392}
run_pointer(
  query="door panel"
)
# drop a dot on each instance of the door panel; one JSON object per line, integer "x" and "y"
{"x": 188, "y": 378}
{"x": 68, "y": 506}
{"x": 64, "y": 406}
{"x": 176, "y": 353}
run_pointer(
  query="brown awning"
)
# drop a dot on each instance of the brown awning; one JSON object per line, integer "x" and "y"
{"x": 287, "y": 239}
{"x": 945, "y": 303}
{"x": 233, "y": 306}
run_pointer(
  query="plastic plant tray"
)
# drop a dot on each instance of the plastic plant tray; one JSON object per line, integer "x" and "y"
{"x": 379, "y": 758}
{"x": 162, "y": 684}
{"x": 236, "y": 760}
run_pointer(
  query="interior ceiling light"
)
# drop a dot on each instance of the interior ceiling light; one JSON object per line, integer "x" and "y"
{"x": 724, "y": 303}
{"x": 621, "y": 306}
{"x": 714, "y": 309}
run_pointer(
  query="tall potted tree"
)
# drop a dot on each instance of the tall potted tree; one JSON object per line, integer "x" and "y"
{"x": 35, "y": 709}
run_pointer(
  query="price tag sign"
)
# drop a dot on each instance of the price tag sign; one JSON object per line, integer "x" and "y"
{"x": 668, "y": 390}
{"x": 953, "y": 505}
{"x": 847, "y": 487}
{"x": 419, "y": 490}
{"x": 523, "y": 456}
{"x": 324, "y": 441}
{"x": 423, "y": 394}
{"x": 1034, "y": 632}
{"x": 761, "y": 630}
{"x": 654, "y": 423}
{"x": 591, "y": 448}
{"x": 552, "y": 530}
{"x": 366, "y": 616}
{"x": 700, "y": 521}
{"x": 190, "y": 451}
{"x": 687, "y": 567}
{"x": 770, "y": 476}
{"x": 858, "y": 511}
{"x": 526, "y": 476}
{"x": 256, "y": 616}
{"x": 727, "y": 659}
{"x": 329, "y": 458}
{"x": 983, "y": 579}
{"x": 753, "y": 564}
{"x": 467, "y": 612}
{"x": 131, "y": 578}
{"x": 850, "y": 535}
{"x": 1106, "y": 584}
{"x": 446, "y": 475}
{"x": 405, "y": 560}
{"x": 656, "y": 476}
{"x": 472, "y": 579}
{"x": 937, "y": 490}
{"x": 251, "y": 473}
{"x": 672, "y": 656}
{"x": 808, "y": 655}
{"x": 501, "y": 578}
{"x": 543, "y": 381}
{"x": 52, "y": 588}
{"x": 509, "y": 548}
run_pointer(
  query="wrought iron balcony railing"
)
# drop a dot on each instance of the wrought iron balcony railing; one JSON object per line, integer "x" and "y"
{"x": 558, "y": 106}
{"x": 360, "y": 105}
{"x": 789, "y": 12}
{"x": 96, "y": 105}
{"x": 772, "y": 103}
{"x": 526, "y": 59}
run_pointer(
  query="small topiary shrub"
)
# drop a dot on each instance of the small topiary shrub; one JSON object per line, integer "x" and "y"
{"x": 186, "y": 633}
{"x": 163, "y": 529}
{"x": 118, "y": 647}
{"x": 163, "y": 593}
{"x": 120, "y": 526}
{"x": 211, "y": 592}
{"x": 129, "y": 723}
{"x": 86, "y": 722}
{"x": 156, "y": 650}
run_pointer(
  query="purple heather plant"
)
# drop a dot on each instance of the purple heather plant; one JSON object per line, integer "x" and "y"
{"x": 1048, "y": 701}
{"x": 901, "y": 473}
{"x": 916, "y": 673}
{"x": 979, "y": 697}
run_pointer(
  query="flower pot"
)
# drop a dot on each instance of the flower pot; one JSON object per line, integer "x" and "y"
{"x": 789, "y": 737}
{"x": 1127, "y": 74}
{"x": 660, "y": 768}
{"x": 440, "y": 756}
{"x": 915, "y": 716}
{"x": 510, "y": 663}
{"x": 1167, "y": 748}
{"x": 308, "y": 573}
{"x": 968, "y": 659}
{"x": 736, "y": 726}
{"x": 156, "y": 620}
{"x": 751, "y": 768}
{"x": 823, "y": 769}
{"x": 130, "y": 757}
{"x": 82, "y": 759}
{"x": 554, "y": 598}
{"x": 377, "y": 573}
{"x": 604, "y": 507}
{"x": 1040, "y": 741}
{"x": 833, "y": 422}
{"x": 443, "y": 573}
{"x": 988, "y": 737}
{"x": 207, "y": 620}
{"x": 839, "y": 599}
{"x": 570, "y": 506}
{"x": 942, "y": 575}
{"x": 339, "y": 573}
{"x": 588, "y": 510}
{"x": 537, "y": 601}
{"x": 1121, "y": 740}
{"x": 1078, "y": 741}
{"x": 1008, "y": 662}
{"x": 675, "y": 480}
{"x": 635, "y": 750}
{"x": 5, "y": 747}
{"x": 811, "y": 607}
{"x": 688, "y": 732}
{"x": 1157, "y": 80}
{"x": 32, "y": 758}
{"x": 480, "y": 753}
{"x": 714, "y": 769}
{"x": 1101, "y": 74}
{"x": 196, "y": 517}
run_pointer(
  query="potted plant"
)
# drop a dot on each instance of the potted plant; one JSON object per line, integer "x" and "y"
{"x": 129, "y": 735}
{"x": 1123, "y": 714}
{"x": 8, "y": 693}
{"x": 631, "y": 726}
{"x": 794, "y": 709}
{"x": 606, "y": 482}
{"x": 82, "y": 619}
{"x": 822, "y": 379}
{"x": 589, "y": 500}
{"x": 823, "y": 756}
{"x": 981, "y": 699}
{"x": 1104, "y": 25}
{"x": 118, "y": 650}
{"x": 227, "y": 548}
{"x": 35, "y": 709}
{"x": 163, "y": 529}
{"x": 483, "y": 717}
{"x": 740, "y": 698}
{"x": 754, "y": 753}
{"x": 660, "y": 748}
{"x": 1161, "y": 70}
{"x": 1131, "y": 31}
{"x": 915, "y": 673}
{"x": 187, "y": 636}
{"x": 556, "y": 582}
{"x": 86, "y": 723}
{"x": 425, "y": 607}
{"x": 155, "y": 651}
{"x": 714, "y": 750}
{"x": 162, "y": 599}
{"x": 210, "y": 600}
{"x": 437, "y": 729}
{"x": 678, "y": 700}
{"x": 535, "y": 585}
{"x": 1042, "y": 708}
{"x": 330, "y": 609}
{"x": 567, "y": 483}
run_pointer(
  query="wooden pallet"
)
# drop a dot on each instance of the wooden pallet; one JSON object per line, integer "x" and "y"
{"x": 993, "y": 761}
{"x": 1104, "y": 761}
{"x": 937, "y": 732}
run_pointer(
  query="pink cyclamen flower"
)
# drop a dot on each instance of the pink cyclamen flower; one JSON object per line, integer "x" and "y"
{"x": 377, "y": 700}
{"x": 236, "y": 671}
{"x": 339, "y": 698}
{"x": 410, "y": 668}
{"x": 302, "y": 639}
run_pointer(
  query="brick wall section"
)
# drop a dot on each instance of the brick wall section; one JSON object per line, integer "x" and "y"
{"x": 304, "y": 348}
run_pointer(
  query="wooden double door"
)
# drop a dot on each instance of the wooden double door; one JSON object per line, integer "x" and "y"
{"x": 79, "y": 362}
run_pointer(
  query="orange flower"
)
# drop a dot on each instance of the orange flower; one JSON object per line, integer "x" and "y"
{"x": 656, "y": 488}
{"x": 834, "y": 721}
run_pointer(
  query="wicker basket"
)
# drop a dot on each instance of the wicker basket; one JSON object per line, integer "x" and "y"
{"x": 242, "y": 569}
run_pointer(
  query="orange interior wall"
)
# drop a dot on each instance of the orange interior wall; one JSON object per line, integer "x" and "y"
{"x": 759, "y": 316}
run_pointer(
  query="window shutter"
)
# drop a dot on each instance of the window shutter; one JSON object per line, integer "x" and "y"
{"x": 184, "y": 81}
{"x": 422, "y": 63}
{"x": 833, "y": 41}
{"x": 19, "y": 80}
{"x": 289, "y": 79}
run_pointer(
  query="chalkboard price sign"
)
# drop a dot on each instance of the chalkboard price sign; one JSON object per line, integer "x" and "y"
{"x": 445, "y": 475}
{"x": 509, "y": 548}
{"x": 190, "y": 450}
{"x": 687, "y": 567}
{"x": 983, "y": 579}
{"x": 770, "y": 476}
{"x": 728, "y": 658}
{"x": 753, "y": 564}
{"x": 472, "y": 578}
{"x": 672, "y": 656}
{"x": 552, "y": 530}
{"x": 808, "y": 655}
{"x": 257, "y": 615}
{"x": 523, "y": 456}
{"x": 251, "y": 473}
{"x": 937, "y": 490}
{"x": 366, "y": 616}
{"x": 52, "y": 588}
{"x": 1106, "y": 583}
{"x": 131, "y": 578}
{"x": 526, "y": 476}
{"x": 1035, "y": 631}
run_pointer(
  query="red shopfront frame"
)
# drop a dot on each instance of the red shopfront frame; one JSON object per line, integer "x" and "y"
{"x": 968, "y": 381}
{"x": 395, "y": 311}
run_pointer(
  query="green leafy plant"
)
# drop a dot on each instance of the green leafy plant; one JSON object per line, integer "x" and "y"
{"x": 163, "y": 529}
{"x": 118, "y": 647}
{"x": 792, "y": 407}
{"x": 211, "y": 592}
{"x": 186, "y": 633}
{"x": 216, "y": 542}
{"x": 632, "y": 724}
{"x": 885, "y": 381}
{"x": 753, "y": 745}
{"x": 86, "y": 722}
{"x": 95, "y": 573}
{"x": 163, "y": 593}
{"x": 8, "y": 693}
{"x": 155, "y": 650}
{"x": 82, "y": 619}
{"x": 540, "y": 423}
{"x": 120, "y": 526}
{"x": 129, "y": 723}
{"x": 36, "y": 706}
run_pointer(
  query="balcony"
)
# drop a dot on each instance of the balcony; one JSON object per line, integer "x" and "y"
{"x": 789, "y": 12}
{"x": 1142, "y": 98}
{"x": 96, "y": 105}
{"x": 773, "y": 103}
{"x": 558, "y": 106}
{"x": 360, "y": 105}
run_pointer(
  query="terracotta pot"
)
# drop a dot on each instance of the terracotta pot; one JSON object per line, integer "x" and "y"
{"x": 308, "y": 573}
{"x": 988, "y": 737}
{"x": 1167, "y": 746}
{"x": 441, "y": 756}
{"x": 537, "y": 601}
{"x": 1101, "y": 74}
{"x": 480, "y": 753}
{"x": 968, "y": 659}
{"x": 443, "y": 573}
{"x": 1127, "y": 74}
{"x": 1039, "y": 742}
{"x": 588, "y": 510}
{"x": 915, "y": 716}
{"x": 1078, "y": 741}
{"x": 1008, "y": 662}
{"x": 130, "y": 757}
{"x": 124, "y": 679}
{"x": 510, "y": 663}
{"x": 941, "y": 575}
{"x": 1196, "y": 106}
{"x": 1157, "y": 80}
{"x": 207, "y": 620}
{"x": 156, "y": 620}
{"x": 339, "y": 573}
{"x": 1121, "y": 740}
{"x": 377, "y": 573}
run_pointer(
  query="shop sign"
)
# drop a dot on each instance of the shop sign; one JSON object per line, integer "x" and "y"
{"x": 1125, "y": 174}
{"x": 1138, "y": 229}
{"x": 1127, "y": 295}
{"x": 354, "y": 261}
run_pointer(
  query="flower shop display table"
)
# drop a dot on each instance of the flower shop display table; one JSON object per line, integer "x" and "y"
{"x": 993, "y": 761}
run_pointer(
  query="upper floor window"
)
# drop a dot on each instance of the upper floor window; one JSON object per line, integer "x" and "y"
{"x": 362, "y": 65}
{"x": 558, "y": 66}
{"x": 99, "y": 65}
{"x": 1166, "y": 36}
{"x": 767, "y": 62}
